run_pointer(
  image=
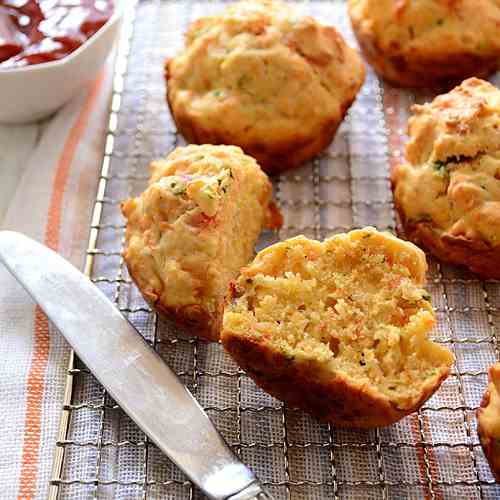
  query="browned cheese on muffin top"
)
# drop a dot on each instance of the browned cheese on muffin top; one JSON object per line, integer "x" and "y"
{"x": 428, "y": 42}
{"x": 338, "y": 328}
{"x": 193, "y": 228}
{"x": 448, "y": 191}
{"x": 264, "y": 78}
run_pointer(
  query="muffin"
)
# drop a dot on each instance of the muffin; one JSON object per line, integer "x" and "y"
{"x": 427, "y": 43}
{"x": 488, "y": 419}
{"x": 448, "y": 191}
{"x": 193, "y": 228}
{"x": 263, "y": 78}
{"x": 338, "y": 328}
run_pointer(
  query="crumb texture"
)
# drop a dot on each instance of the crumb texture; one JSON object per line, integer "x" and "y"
{"x": 347, "y": 312}
{"x": 180, "y": 244}
{"x": 489, "y": 421}
{"x": 448, "y": 191}
{"x": 265, "y": 78}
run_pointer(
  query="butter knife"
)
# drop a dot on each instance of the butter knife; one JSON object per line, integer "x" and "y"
{"x": 130, "y": 370}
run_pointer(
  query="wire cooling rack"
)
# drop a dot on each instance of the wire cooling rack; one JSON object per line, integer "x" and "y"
{"x": 434, "y": 453}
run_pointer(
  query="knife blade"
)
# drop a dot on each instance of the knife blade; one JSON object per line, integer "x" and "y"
{"x": 129, "y": 369}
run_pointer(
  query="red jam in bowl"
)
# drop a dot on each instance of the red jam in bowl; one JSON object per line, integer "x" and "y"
{"x": 38, "y": 31}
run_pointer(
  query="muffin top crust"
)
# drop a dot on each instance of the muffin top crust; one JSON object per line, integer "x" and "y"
{"x": 431, "y": 27}
{"x": 181, "y": 248}
{"x": 451, "y": 180}
{"x": 260, "y": 74}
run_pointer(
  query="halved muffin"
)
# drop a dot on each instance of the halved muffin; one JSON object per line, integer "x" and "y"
{"x": 488, "y": 420}
{"x": 447, "y": 193}
{"x": 193, "y": 228}
{"x": 427, "y": 43}
{"x": 338, "y": 328}
{"x": 263, "y": 77}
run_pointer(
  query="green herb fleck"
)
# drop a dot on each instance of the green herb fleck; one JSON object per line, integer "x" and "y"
{"x": 440, "y": 168}
{"x": 427, "y": 297}
{"x": 218, "y": 93}
{"x": 177, "y": 188}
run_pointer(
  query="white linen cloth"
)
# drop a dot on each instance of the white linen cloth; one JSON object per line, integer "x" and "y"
{"x": 47, "y": 183}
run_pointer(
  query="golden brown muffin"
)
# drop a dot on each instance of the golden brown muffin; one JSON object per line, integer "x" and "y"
{"x": 426, "y": 43}
{"x": 488, "y": 420}
{"x": 338, "y": 328}
{"x": 448, "y": 192}
{"x": 260, "y": 76}
{"x": 193, "y": 228}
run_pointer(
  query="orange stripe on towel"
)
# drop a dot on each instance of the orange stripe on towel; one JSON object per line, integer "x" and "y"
{"x": 392, "y": 112}
{"x": 36, "y": 376}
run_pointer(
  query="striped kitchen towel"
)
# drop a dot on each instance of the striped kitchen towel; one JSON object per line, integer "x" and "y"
{"x": 52, "y": 204}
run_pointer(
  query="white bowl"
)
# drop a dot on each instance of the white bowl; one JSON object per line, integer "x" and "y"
{"x": 30, "y": 93}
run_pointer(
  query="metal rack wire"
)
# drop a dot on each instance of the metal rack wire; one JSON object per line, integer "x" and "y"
{"x": 432, "y": 454}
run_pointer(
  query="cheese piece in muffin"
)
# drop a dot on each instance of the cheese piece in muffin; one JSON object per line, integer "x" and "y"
{"x": 424, "y": 43}
{"x": 262, "y": 77}
{"x": 448, "y": 191}
{"x": 193, "y": 228}
{"x": 338, "y": 328}
{"x": 488, "y": 419}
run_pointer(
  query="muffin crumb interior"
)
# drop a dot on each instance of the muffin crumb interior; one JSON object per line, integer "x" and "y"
{"x": 351, "y": 305}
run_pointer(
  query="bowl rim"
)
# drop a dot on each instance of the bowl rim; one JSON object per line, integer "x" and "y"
{"x": 118, "y": 11}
